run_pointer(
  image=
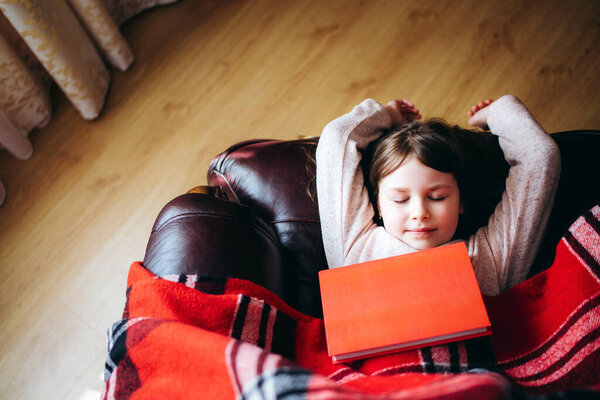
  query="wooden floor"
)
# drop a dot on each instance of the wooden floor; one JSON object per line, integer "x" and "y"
{"x": 210, "y": 73}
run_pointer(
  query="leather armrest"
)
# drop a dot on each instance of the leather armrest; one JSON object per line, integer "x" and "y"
{"x": 204, "y": 235}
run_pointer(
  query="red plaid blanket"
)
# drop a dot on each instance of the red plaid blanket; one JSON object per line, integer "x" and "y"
{"x": 215, "y": 338}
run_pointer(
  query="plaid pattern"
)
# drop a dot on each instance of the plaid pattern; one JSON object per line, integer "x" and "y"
{"x": 201, "y": 337}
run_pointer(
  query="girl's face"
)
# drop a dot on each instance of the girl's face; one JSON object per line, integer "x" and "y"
{"x": 419, "y": 205}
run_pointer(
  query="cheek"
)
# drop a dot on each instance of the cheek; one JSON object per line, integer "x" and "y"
{"x": 449, "y": 213}
{"x": 391, "y": 215}
{"x": 389, "y": 210}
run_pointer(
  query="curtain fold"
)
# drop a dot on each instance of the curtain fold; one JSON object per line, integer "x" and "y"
{"x": 68, "y": 42}
{"x": 53, "y": 33}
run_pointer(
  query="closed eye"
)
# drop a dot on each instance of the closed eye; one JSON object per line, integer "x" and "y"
{"x": 437, "y": 198}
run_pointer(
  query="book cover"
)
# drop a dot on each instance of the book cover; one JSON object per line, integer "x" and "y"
{"x": 399, "y": 303}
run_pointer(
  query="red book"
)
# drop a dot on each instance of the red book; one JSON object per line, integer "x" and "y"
{"x": 400, "y": 303}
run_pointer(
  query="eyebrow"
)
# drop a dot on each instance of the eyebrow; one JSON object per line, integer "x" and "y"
{"x": 432, "y": 187}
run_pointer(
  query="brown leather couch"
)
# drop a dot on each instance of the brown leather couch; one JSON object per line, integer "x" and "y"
{"x": 258, "y": 222}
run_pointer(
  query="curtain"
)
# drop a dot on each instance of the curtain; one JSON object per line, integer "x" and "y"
{"x": 68, "y": 42}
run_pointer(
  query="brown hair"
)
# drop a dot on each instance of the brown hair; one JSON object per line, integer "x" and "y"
{"x": 446, "y": 148}
{"x": 433, "y": 142}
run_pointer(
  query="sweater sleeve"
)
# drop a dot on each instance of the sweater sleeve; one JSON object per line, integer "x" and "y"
{"x": 502, "y": 251}
{"x": 346, "y": 214}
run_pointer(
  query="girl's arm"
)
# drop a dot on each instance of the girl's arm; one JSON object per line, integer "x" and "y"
{"x": 503, "y": 251}
{"x": 345, "y": 210}
{"x": 344, "y": 207}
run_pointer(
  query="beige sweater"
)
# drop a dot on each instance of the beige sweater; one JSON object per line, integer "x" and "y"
{"x": 501, "y": 252}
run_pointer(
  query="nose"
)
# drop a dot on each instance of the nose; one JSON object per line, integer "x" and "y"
{"x": 419, "y": 211}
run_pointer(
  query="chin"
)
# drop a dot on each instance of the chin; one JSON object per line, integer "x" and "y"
{"x": 424, "y": 246}
{"x": 419, "y": 245}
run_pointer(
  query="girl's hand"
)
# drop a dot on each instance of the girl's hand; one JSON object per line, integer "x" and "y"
{"x": 478, "y": 114}
{"x": 402, "y": 111}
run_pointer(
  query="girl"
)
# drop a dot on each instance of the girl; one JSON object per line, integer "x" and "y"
{"x": 417, "y": 180}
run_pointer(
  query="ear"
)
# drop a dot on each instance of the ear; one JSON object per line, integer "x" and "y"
{"x": 380, "y": 219}
{"x": 461, "y": 210}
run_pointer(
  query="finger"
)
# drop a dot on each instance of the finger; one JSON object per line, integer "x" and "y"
{"x": 407, "y": 102}
{"x": 411, "y": 115}
{"x": 484, "y": 104}
{"x": 409, "y": 111}
{"x": 475, "y": 108}
{"x": 470, "y": 113}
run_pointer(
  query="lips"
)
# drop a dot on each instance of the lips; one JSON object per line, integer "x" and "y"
{"x": 421, "y": 232}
